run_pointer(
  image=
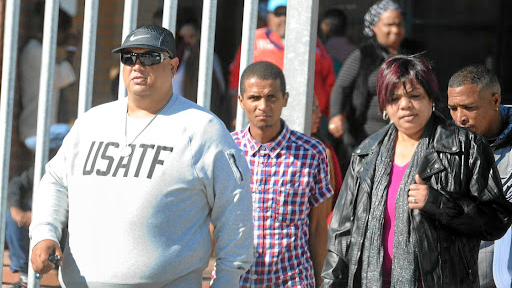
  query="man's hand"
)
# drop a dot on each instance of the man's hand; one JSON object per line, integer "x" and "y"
{"x": 23, "y": 218}
{"x": 40, "y": 254}
{"x": 417, "y": 193}
{"x": 337, "y": 126}
{"x": 318, "y": 239}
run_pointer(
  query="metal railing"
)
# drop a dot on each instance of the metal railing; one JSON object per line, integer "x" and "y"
{"x": 247, "y": 52}
{"x": 88, "y": 59}
{"x": 299, "y": 67}
{"x": 12, "y": 15}
{"x": 129, "y": 23}
{"x": 51, "y": 20}
{"x": 299, "y": 63}
{"x": 206, "y": 53}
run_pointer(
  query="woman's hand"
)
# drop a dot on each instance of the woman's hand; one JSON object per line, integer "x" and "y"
{"x": 336, "y": 126}
{"x": 418, "y": 193}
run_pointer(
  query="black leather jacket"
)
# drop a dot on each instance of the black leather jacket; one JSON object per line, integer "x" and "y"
{"x": 465, "y": 204}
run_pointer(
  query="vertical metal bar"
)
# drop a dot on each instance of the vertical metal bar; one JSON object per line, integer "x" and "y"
{"x": 204, "y": 84}
{"x": 247, "y": 52}
{"x": 170, "y": 15}
{"x": 51, "y": 18}
{"x": 88, "y": 51}
{"x": 299, "y": 62}
{"x": 12, "y": 19}
{"x": 129, "y": 24}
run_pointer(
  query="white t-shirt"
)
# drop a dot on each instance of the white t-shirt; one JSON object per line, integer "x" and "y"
{"x": 30, "y": 62}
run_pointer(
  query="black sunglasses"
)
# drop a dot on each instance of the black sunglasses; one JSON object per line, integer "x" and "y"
{"x": 146, "y": 58}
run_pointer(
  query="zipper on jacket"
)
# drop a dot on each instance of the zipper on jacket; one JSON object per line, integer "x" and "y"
{"x": 465, "y": 261}
{"x": 417, "y": 246}
{"x": 355, "y": 260}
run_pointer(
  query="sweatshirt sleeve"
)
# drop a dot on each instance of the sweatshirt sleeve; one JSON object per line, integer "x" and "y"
{"x": 226, "y": 177}
{"x": 341, "y": 93}
{"x": 64, "y": 75}
{"x": 50, "y": 200}
{"x": 19, "y": 189}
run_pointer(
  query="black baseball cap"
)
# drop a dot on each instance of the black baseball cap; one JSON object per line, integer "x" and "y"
{"x": 153, "y": 37}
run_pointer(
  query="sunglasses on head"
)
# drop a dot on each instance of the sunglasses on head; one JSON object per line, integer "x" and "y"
{"x": 145, "y": 58}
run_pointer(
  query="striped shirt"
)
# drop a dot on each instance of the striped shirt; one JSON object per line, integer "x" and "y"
{"x": 290, "y": 176}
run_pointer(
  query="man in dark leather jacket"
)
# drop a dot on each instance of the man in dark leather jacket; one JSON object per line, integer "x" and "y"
{"x": 474, "y": 97}
{"x": 465, "y": 205}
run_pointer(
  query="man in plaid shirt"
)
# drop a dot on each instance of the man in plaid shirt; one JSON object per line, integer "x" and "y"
{"x": 289, "y": 185}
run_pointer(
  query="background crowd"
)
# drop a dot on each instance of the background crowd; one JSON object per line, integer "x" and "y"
{"x": 473, "y": 30}
{"x": 348, "y": 108}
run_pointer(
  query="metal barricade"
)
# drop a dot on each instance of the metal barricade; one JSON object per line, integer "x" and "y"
{"x": 206, "y": 53}
{"x": 129, "y": 24}
{"x": 299, "y": 62}
{"x": 51, "y": 19}
{"x": 12, "y": 16}
{"x": 88, "y": 59}
{"x": 299, "y": 68}
{"x": 170, "y": 13}
{"x": 247, "y": 51}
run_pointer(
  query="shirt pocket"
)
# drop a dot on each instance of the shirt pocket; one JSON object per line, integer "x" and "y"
{"x": 292, "y": 204}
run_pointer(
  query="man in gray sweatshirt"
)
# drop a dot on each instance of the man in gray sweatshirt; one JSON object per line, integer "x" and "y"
{"x": 137, "y": 181}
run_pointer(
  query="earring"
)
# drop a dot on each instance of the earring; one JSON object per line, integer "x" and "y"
{"x": 385, "y": 116}
{"x": 433, "y": 106}
{"x": 496, "y": 108}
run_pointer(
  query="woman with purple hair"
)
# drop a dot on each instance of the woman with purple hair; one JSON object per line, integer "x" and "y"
{"x": 418, "y": 196}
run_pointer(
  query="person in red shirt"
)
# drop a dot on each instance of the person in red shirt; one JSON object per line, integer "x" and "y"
{"x": 269, "y": 46}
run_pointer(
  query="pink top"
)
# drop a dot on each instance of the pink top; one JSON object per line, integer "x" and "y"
{"x": 388, "y": 233}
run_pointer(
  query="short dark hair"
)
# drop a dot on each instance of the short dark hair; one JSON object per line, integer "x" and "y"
{"x": 401, "y": 69}
{"x": 263, "y": 70}
{"x": 65, "y": 20}
{"x": 337, "y": 19}
{"x": 474, "y": 74}
{"x": 158, "y": 14}
{"x": 191, "y": 22}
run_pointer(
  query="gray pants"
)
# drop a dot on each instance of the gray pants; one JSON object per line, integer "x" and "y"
{"x": 485, "y": 256}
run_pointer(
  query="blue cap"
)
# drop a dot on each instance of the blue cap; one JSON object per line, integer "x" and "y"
{"x": 57, "y": 134}
{"x": 273, "y": 4}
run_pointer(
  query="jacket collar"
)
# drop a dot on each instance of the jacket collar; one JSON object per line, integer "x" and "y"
{"x": 445, "y": 139}
{"x": 505, "y": 138}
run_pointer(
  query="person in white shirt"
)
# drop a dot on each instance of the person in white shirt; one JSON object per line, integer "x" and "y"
{"x": 138, "y": 181}
{"x": 30, "y": 71}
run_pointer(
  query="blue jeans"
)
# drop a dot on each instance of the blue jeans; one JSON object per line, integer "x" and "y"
{"x": 19, "y": 241}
